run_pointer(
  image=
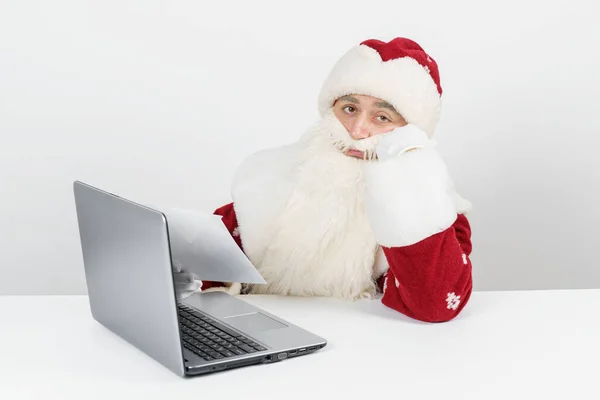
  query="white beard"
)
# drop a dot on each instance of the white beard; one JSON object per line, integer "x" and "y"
{"x": 302, "y": 220}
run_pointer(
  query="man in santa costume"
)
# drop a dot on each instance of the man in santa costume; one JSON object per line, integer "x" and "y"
{"x": 361, "y": 206}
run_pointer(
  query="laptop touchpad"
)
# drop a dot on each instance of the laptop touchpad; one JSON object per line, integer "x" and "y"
{"x": 253, "y": 322}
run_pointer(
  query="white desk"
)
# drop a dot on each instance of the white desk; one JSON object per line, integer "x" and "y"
{"x": 511, "y": 345}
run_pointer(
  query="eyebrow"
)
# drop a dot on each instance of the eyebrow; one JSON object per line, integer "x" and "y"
{"x": 385, "y": 104}
{"x": 349, "y": 99}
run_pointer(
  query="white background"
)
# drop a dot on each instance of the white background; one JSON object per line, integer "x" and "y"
{"x": 159, "y": 102}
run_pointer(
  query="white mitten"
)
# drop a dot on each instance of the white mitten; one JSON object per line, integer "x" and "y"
{"x": 185, "y": 284}
{"x": 407, "y": 195}
{"x": 401, "y": 140}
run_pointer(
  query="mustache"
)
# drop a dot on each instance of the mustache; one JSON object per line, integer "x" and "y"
{"x": 332, "y": 133}
{"x": 343, "y": 141}
{"x": 369, "y": 152}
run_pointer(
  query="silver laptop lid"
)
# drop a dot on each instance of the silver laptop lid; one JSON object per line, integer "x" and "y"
{"x": 127, "y": 264}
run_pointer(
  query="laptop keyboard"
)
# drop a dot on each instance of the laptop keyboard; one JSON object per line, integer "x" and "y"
{"x": 210, "y": 339}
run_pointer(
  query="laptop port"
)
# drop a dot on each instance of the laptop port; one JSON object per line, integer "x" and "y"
{"x": 293, "y": 352}
{"x": 270, "y": 358}
{"x": 300, "y": 351}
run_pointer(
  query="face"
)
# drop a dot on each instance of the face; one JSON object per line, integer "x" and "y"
{"x": 365, "y": 117}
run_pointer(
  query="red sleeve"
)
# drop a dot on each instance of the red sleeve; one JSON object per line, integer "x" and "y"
{"x": 227, "y": 212}
{"x": 229, "y": 218}
{"x": 431, "y": 280}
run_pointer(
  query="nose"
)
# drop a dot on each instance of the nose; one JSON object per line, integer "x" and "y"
{"x": 359, "y": 129}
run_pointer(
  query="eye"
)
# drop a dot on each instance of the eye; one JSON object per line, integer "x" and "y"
{"x": 349, "y": 109}
{"x": 383, "y": 118}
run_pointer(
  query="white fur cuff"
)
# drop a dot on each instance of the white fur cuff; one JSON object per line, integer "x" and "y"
{"x": 409, "y": 197}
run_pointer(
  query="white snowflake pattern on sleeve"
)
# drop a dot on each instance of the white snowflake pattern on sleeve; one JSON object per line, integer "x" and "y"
{"x": 465, "y": 259}
{"x": 236, "y": 232}
{"x": 453, "y": 301}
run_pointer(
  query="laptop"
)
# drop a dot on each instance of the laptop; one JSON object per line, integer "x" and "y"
{"x": 129, "y": 276}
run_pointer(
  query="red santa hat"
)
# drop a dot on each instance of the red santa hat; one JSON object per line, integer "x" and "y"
{"x": 399, "y": 72}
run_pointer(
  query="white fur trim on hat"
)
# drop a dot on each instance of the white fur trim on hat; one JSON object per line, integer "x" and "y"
{"x": 403, "y": 82}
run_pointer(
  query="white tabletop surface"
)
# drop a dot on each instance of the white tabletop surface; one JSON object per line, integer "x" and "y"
{"x": 505, "y": 345}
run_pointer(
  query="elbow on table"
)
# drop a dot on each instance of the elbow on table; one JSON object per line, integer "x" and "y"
{"x": 438, "y": 317}
{"x": 431, "y": 310}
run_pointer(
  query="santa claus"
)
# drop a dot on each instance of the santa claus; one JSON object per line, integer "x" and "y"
{"x": 361, "y": 206}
